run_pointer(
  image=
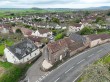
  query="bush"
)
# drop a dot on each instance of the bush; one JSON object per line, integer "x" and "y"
{"x": 59, "y": 36}
{"x": 87, "y": 31}
{"x": 18, "y": 31}
{"x": 11, "y": 75}
{"x": 12, "y": 72}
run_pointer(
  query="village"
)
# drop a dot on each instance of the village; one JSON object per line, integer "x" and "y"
{"x": 53, "y": 36}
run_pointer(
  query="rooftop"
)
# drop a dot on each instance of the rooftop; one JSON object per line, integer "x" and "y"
{"x": 22, "y": 49}
{"x": 99, "y": 36}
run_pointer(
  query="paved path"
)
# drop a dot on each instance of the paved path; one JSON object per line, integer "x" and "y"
{"x": 34, "y": 73}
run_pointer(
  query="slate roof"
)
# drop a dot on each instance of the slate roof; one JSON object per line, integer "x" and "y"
{"x": 77, "y": 38}
{"x": 23, "y": 49}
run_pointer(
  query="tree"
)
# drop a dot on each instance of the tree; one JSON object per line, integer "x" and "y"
{"x": 87, "y": 13}
{"x": 59, "y": 36}
{"x": 108, "y": 14}
{"x": 36, "y": 20}
{"x": 55, "y": 20}
{"x": 12, "y": 14}
{"x": 18, "y": 31}
{"x": 77, "y": 20}
{"x": 45, "y": 40}
{"x": 86, "y": 31}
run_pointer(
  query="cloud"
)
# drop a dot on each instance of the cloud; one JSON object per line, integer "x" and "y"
{"x": 94, "y": 1}
{"x": 53, "y": 3}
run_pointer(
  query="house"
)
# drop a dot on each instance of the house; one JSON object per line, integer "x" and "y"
{"x": 26, "y": 32}
{"x": 96, "y": 39}
{"x": 63, "y": 26}
{"x": 42, "y": 33}
{"x": 21, "y": 52}
{"x": 108, "y": 27}
{"x": 76, "y": 47}
{"x": 61, "y": 49}
{"x": 36, "y": 40}
{"x": 75, "y": 28}
{"x": 5, "y": 28}
{"x": 78, "y": 38}
{"x": 56, "y": 51}
{"x": 80, "y": 43}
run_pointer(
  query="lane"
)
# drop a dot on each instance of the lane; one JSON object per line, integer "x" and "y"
{"x": 72, "y": 74}
{"x": 68, "y": 71}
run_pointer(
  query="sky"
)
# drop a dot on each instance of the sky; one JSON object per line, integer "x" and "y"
{"x": 53, "y": 3}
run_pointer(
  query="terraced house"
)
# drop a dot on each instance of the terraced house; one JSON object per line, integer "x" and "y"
{"x": 60, "y": 49}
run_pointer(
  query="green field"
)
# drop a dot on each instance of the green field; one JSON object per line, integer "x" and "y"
{"x": 8, "y": 13}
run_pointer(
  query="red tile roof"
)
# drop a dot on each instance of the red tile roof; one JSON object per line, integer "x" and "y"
{"x": 35, "y": 38}
{"x": 99, "y": 36}
{"x": 26, "y": 31}
{"x": 75, "y": 46}
{"x": 58, "y": 45}
{"x": 42, "y": 31}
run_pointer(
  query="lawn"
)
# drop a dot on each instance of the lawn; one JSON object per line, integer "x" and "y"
{"x": 2, "y": 45}
{"x": 1, "y": 71}
{"x": 10, "y": 72}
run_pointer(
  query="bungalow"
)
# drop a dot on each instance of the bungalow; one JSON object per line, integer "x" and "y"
{"x": 21, "y": 52}
{"x": 96, "y": 39}
{"x": 75, "y": 28}
{"x": 42, "y": 33}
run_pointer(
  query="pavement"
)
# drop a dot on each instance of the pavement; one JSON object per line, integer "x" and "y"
{"x": 34, "y": 72}
{"x": 70, "y": 70}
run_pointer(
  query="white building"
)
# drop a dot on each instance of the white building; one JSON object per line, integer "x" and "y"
{"x": 21, "y": 52}
{"x": 4, "y": 29}
{"x": 42, "y": 33}
{"x": 76, "y": 27}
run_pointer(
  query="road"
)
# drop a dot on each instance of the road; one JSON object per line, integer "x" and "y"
{"x": 70, "y": 70}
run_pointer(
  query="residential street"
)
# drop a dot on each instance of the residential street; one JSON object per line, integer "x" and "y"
{"x": 68, "y": 71}
{"x": 71, "y": 69}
